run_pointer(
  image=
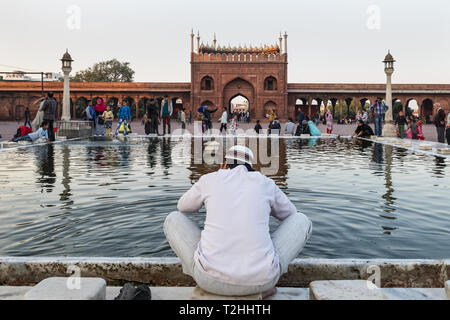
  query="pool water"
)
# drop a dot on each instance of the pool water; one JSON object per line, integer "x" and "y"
{"x": 110, "y": 198}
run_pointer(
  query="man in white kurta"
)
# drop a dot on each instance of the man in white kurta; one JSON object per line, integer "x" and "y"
{"x": 235, "y": 254}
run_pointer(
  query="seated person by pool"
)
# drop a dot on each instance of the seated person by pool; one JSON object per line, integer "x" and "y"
{"x": 313, "y": 130}
{"x": 235, "y": 254}
{"x": 32, "y": 137}
{"x": 303, "y": 128}
{"x": 363, "y": 130}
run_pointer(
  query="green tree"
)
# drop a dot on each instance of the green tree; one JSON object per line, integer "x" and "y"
{"x": 106, "y": 71}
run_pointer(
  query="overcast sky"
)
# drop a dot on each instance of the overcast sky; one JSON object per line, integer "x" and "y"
{"x": 329, "y": 40}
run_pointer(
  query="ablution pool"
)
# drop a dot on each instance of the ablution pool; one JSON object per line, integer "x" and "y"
{"x": 109, "y": 198}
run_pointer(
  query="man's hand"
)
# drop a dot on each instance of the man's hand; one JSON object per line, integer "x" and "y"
{"x": 224, "y": 166}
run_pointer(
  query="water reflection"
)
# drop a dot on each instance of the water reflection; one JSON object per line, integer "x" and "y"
{"x": 357, "y": 193}
{"x": 151, "y": 153}
{"x": 66, "y": 194}
{"x": 439, "y": 169}
{"x": 124, "y": 152}
{"x": 166, "y": 155}
{"x": 363, "y": 144}
{"x": 388, "y": 196}
{"x": 278, "y": 158}
{"x": 45, "y": 163}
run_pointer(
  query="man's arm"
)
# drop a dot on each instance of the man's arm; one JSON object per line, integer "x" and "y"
{"x": 282, "y": 207}
{"x": 192, "y": 201}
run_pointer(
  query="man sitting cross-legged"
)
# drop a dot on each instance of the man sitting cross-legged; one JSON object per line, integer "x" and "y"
{"x": 235, "y": 255}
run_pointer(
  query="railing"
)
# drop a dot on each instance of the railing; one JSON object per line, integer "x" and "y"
{"x": 239, "y": 57}
{"x": 74, "y": 129}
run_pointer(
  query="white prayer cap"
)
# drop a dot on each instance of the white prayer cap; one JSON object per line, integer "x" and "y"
{"x": 241, "y": 154}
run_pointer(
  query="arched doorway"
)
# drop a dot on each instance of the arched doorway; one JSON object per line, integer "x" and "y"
{"x": 427, "y": 110}
{"x": 240, "y": 87}
{"x": 239, "y": 105}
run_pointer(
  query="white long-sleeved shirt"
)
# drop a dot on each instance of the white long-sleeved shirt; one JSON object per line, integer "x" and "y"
{"x": 235, "y": 245}
{"x": 224, "y": 119}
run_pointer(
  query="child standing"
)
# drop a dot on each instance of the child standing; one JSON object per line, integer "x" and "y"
{"x": 401, "y": 122}
{"x": 234, "y": 125}
{"x": 108, "y": 116}
{"x": 420, "y": 135}
{"x": 124, "y": 116}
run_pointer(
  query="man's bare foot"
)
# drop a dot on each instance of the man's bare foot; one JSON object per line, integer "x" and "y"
{"x": 269, "y": 293}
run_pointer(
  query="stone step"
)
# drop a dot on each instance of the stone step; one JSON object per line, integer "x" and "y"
{"x": 68, "y": 289}
{"x": 345, "y": 290}
{"x": 185, "y": 293}
{"x": 200, "y": 294}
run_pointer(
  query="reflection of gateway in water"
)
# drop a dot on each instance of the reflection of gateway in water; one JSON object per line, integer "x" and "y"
{"x": 280, "y": 177}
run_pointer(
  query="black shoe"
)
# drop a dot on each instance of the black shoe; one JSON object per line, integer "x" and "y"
{"x": 129, "y": 292}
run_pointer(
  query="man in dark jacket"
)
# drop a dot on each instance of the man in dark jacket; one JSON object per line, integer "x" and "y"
{"x": 207, "y": 114}
{"x": 153, "y": 114}
{"x": 49, "y": 109}
{"x": 363, "y": 130}
{"x": 439, "y": 122}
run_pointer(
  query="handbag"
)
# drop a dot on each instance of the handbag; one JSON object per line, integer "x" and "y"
{"x": 101, "y": 121}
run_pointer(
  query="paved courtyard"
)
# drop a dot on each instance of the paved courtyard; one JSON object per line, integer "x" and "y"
{"x": 8, "y": 129}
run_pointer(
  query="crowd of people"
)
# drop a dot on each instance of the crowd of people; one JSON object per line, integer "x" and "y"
{"x": 160, "y": 113}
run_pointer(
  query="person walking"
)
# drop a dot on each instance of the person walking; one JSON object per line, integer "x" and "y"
{"x": 124, "y": 116}
{"x": 224, "y": 120}
{"x": 49, "y": 109}
{"x": 36, "y": 124}
{"x": 27, "y": 118}
{"x": 378, "y": 109}
{"x": 439, "y": 122}
{"x": 401, "y": 122}
{"x": 166, "y": 113}
{"x": 208, "y": 118}
{"x": 183, "y": 119}
{"x": 329, "y": 121}
{"x": 235, "y": 254}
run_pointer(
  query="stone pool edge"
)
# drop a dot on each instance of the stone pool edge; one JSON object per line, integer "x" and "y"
{"x": 165, "y": 272}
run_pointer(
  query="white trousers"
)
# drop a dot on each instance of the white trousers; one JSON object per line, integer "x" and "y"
{"x": 184, "y": 235}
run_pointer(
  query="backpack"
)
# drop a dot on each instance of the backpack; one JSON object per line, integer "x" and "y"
{"x": 22, "y": 132}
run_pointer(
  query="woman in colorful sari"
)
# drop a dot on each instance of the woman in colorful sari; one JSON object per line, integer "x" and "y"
{"x": 99, "y": 108}
{"x": 329, "y": 119}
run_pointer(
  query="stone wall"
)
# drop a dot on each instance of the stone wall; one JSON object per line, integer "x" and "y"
{"x": 168, "y": 271}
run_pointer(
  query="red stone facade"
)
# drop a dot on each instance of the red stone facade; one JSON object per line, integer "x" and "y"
{"x": 246, "y": 74}
{"x": 225, "y": 73}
